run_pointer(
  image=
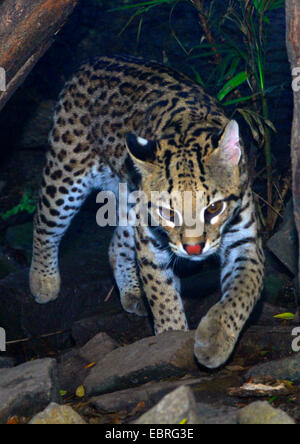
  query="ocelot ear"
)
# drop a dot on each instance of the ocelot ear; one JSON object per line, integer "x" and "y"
{"x": 229, "y": 145}
{"x": 142, "y": 151}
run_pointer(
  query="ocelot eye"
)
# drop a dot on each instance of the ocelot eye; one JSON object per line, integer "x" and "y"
{"x": 214, "y": 210}
{"x": 169, "y": 215}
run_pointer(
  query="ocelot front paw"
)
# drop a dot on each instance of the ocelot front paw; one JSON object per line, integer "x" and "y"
{"x": 214, "y": 341}
{"x": 44, "y": 288}
{"x": 132, "y": 302}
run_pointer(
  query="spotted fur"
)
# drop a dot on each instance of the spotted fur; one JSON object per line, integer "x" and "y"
{"x": 128, "y": 120}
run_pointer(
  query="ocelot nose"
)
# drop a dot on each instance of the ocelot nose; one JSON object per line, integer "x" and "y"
{"x": 194, "y": 250}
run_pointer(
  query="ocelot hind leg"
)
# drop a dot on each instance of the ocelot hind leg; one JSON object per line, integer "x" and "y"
{"x": 122, "y": 259}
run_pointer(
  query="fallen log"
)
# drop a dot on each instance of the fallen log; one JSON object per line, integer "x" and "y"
{"x": 27, "y": 30}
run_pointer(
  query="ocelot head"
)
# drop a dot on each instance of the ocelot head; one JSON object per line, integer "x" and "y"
{"x": 191, "y": 189}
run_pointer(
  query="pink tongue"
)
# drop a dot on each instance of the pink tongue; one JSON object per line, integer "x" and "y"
{"x": 193, "y": 249}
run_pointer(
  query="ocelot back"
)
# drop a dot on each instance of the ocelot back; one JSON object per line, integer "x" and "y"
{"x": 127, "y": 120}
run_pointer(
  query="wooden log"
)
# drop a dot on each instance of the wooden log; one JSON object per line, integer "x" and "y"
{"x": 293, "y": 46}
{"x": 27, "y": 30}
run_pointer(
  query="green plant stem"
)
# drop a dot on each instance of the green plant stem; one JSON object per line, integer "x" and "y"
{"x": 206, "y": 30}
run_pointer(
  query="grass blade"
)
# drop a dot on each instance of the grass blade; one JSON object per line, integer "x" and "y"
{"x": 233, "y": 83}
{"x": 141, "y": 5}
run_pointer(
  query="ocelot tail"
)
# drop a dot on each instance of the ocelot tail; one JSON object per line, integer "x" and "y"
{"x": 126, "y": 120}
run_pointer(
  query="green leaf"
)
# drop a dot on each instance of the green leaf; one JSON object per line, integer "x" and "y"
{"x": 197, "y": 76}
{"x": 27, "y": 204}
{"x": 80, "y": 392}
{"x": 226, "y": 67}
{"x": 276, "y": 4}
{"x": 239, "y": 100}
{"x": 232, "y": 84}
{"x": 233, "y": 67}
{"x": 63, "y": 392}
{"x": 286, "y": 316}
{"x": 256, "y": 4}
{"x": 141, "y": 4}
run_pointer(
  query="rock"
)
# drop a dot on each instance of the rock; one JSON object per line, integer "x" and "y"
{"x": 261, "y": 412}
{"x": 274, "y": 286}
{"x": 98, "y": 347}
{"x": 84, "y": 330}
{"x": 120, "y": 400}
{"x": 287, "y": 368}
{"x": 266, "y": 315}
{"x": 6, "y": 362}
{"x": 215, "y": 414}
{"x": 112, "y": 319}
{"x": 72, "y": 371}
{"x": 277, "y": 339}
{"x": 72, "y": 368}
{"x": 57, "y": 414}
{"x": 27, "y": 388}
{"x": 149, "y": 359}
{"x": 177, "y": 406}
{"x": 149, "y": 394}
{"x": 284, "y": 243}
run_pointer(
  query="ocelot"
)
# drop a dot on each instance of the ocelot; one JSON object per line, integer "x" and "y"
{"x": 126, "y": 120}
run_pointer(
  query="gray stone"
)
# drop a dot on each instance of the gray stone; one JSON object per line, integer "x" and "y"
{"x": 149, "y": 393}
{"x": 57, "y": 414}
{"x": 287, "y": 368}
{"x": 153, "y": 358}
{"x": 72, "y": 371}
{"x": 176, "y": 407}
{"x": 6, "y": 362}
{"x": 27, "y": 388}
{"x": 284, "y": 243}
{"x": 84, "y": 330}
{"x": 259, "y": 337}
{"x": 72, "y": 367}
{"x": 261, "y": 412}
{"x": 215, "y": 414}
{"x": 98, "y": 347}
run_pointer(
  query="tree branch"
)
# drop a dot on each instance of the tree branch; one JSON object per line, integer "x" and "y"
{"x": 27, "y": 30}
{"x": 206, "y": 29}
